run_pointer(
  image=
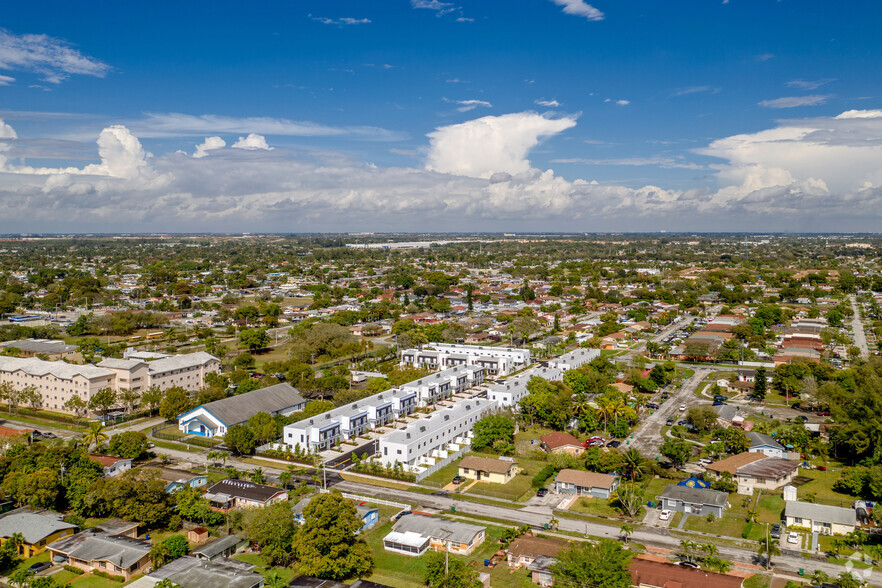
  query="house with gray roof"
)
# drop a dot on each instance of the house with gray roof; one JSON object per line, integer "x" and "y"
{"x": 220, "y": 548}
{"x": 113, "y": 554}
{"x": 215, "y": 418}
{"x": 696, "y": 501}
{"x": 414, "y": 534}
{"x": 765, "y": 444}
{"x": 193, "y": 572}
{"x": 37, "y": 528}
{"x": 820, "y": 518}
{"x": 52, "y": 350}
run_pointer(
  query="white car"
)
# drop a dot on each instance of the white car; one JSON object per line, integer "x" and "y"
{"x": 705, "y": 461}
{"x": 792, "y": 537}
{"x": 682, "y": 407}
{"x": 664, "y": 515}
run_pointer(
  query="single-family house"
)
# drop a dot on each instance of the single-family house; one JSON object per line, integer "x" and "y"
{"x": 487, "y": 469}
{"x": 561, "y": 443}
{"x": 229, "y": 494}
{"x": 215, "y": 418}
{"x": 113, "y": 554}
{"x": 414, "y": 534}
{"x": 220, "y": 548}
{"x": 647, "y": 573}
{"x": 177, "y": 479}
{"x": 697, "y": 501}
{"x": 113, "y": 465}
{"x": 540, "y": 570}
{"x": 526, "y": 548}
{"x": 765, "y": 444}
{"x": 193, "y": 572}
{"x": 820, "y": 518}
{"x": 755, "y": 471}
{"x": 585, "y": 483}
{"x": 37, "y": 528}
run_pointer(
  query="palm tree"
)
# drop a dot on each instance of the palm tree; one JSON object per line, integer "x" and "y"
{"x": 274, "y": 579}
{"x": 718, "y": 564}
{"x": 819, "y": 578}
{"x": 626, "y": 530}
{"x": 768, "y": 548}
{"x": 633, "y": 463}
{"x": 686, "y": 548}
{"x": 95, "y": 435}
{"x": 709, "y": 549}
{"x": 257, "y": 476}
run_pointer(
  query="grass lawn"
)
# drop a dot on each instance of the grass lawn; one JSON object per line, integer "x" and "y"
{"x": 757, "y": 581}
{"x": 595, "y": 506}
{"x": 262, "y": 568}
{"x": 373, "y": 481}
{"x": 25, "y": 564}
{"x": 63, "y": 577}
{"x": 730, "y": 525}
{"x": 93, "y": 582}
{"x": 821, "y": 486}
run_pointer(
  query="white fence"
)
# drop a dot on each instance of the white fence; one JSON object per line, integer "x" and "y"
{"x": 440, "y": 464}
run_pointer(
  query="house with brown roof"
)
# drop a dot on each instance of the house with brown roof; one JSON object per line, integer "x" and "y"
{"x": 585, "y": 483}
{"x": 228, "y": 494}
{"x": 656, "y": 574}
{"x": 525, "y": 549}
{"x": 113, "y": 465}
{"x": 561, "y": 443}
{"x": 487, "y": 469}
{"x": 756, "y": 471}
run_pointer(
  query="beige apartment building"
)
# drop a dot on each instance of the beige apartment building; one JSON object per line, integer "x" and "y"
{"x": 57, "y": 381}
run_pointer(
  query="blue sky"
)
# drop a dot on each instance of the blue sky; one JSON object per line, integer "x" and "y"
{"x": 482, "y": 115}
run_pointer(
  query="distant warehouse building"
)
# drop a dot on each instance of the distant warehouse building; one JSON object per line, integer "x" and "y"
{"x": 215, "y": 418}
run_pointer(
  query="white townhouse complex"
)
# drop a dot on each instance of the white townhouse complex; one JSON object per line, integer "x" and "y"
{"x": 325, "y": 430}
{"x": 443, "y": 431}
{"x": 499, "y": 361}
{"x": 57, "y": 381}
{"x": 509, "y": 392}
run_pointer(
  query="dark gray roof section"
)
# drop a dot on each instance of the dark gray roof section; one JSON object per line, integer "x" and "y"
{"x": 33, "y": 526}
{"x": 246, "y": 490}
{"x": 192, "y": 572}
{"x": 695, "y": 495}
{"x": 771, "y": 467}
{"x": 310, "y": 582}
{"x": 115, "y": 527}
{"x": 757, "y": 439}
{"x": 238, "y": 409}
{"x": 820, "y": 512}
{"x": 428, "y": 526}
{"x": 214, "y": 548}
{"x": 118, "y": 550}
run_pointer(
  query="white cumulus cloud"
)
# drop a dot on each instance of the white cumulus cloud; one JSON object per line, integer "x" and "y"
{"x": 209, "y": 144}
{"x": 484, "y": 146}
{"x": 252, "y": 142}
{"x": 579, "y": 8}
{"x": 548, "y": 103}
{"x": 6, "y": 131}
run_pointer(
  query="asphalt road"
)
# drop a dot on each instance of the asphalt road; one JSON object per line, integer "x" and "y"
{"x": 857, "y": 327}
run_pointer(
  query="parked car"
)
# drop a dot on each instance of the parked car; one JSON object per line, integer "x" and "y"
{"x": 720, "y": 397}
{"x": 792, "y": 537}
{"x": 688, "y": 564}
{"x": 613, "y": 444}
{"x": 40, "y": 566}
{"x": 705, "y": 461}
{"x": 682, "y": 407}
{"x": 542, "y": 492}
{"x": 664, "y": 515}
{"x": 823, "y": 413}
{"x": 651, "y": 405}
{"x": 670, "y": 422}
{"x": 49, "y": 435}
{"x": 775, "y": 533}
{"x": 719, "y": 403}
{"x": 458, "y": 480}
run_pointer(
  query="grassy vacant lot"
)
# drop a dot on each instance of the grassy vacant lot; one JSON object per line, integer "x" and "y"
{"x": 735, "y": 517}
{"x": 821, "y": 485}
{"x": 519, "y": 489}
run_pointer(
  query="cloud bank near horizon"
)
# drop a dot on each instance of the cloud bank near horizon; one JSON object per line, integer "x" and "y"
{"x": 477, "y": 176}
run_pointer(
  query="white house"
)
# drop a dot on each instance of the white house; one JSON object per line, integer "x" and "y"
{"x": 215, "y": 418}
{"x": 820, "y": 518}
{"x": 766, "y": 445}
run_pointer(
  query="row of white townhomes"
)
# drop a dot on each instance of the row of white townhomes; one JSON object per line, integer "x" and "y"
{"x": 421, "y": 442}
{"x": 57, "y": 381}
{"x": 497, "y": 361}
{"x": 325, "y": 430}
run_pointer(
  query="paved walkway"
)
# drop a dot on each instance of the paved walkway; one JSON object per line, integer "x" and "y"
{"x": 857, "y": 326}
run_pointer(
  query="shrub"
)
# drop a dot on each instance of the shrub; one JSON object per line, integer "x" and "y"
{"x": 747, "y": 529}
{"x": 543, "y": 475}
{"x": 74, "y": 570}
{"x": 109, "y": 576}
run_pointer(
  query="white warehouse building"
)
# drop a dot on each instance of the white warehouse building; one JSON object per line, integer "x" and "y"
{"x": 499, "y": 361}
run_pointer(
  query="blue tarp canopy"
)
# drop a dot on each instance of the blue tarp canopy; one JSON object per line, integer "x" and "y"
{"x": 694, "y": 483}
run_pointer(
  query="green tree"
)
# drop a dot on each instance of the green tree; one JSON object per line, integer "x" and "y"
{"x": 760, "y": 384}
{"x": 175, "y": 402}
{"x": 593, "y": 565}
{"x": 152, "y": 398}
{"x": 490, "y": 429}
{"x": 130, "y": 445}
{"x": 194, "y": 507}
{"x": 177, "y": 545}
{"x": 768, "y": 547}
{"x": 703, "y": 418}
{"x": 634, "y": 464}
{"x": 327, "y": 545}
{"x": 676, "y": 450}
{"x": 263, "y": 427}
{"x": 137, "y": 495}
{"x": 240, "y": 439}
{"x": 102, "y": 400}
{"x": 76, "y": 405}
{"x": 254, "y": 338}
{"x": 272, "y": 530}
{"x": 443, "y": 572}
{"x": 9, "y": 556}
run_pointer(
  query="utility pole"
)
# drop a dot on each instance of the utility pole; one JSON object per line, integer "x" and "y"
{"x": 447, "y": 552}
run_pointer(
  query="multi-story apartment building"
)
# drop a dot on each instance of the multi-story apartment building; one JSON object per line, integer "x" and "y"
{"x": 510, "y": 391}
{"x": 57, "y": 381}
{"x": 499, "y": 361}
